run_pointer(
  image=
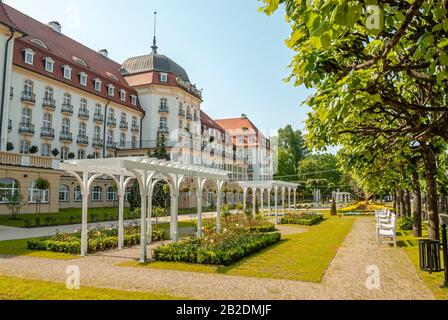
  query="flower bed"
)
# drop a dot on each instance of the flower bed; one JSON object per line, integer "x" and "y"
{"x": 305, "y": 219}
{"x": 217, "y": 249}
{"x": 99, "y": 240}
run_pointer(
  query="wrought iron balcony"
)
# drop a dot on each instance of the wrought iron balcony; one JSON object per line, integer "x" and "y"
{"x": 97, "y": 143}
{"x": 164, "y": 109}
{"x": 98, "y": 118}
{"x": 28, "y": 97}
{"x": 135, "y": 128}
{"x": 182, "y": 113}
{"x": 26, "y": 128}
{"x": 49, "y": 103}
{"x": 189, "y": 116}
{"x": 84, "y": 114}
{"x": 124, "y": 125}
{"x": 164, "y": 130}
{"x": 66, "y": 136}
{"x": 67, "y": 109}
{"x": 111, "y": 145}
{"x": 83, "y": 140}
{"x": 112, "y": 122}
{"x": 47, "y": 133}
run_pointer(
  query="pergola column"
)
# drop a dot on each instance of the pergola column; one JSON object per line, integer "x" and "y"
{"x": 149, "y": 215}
{"x": 199, "y": 193}
{"x": 174, "y": 227}
{"x": 295, "y": 200}
{"x": 143, "y": 222}
{"x": 121, "y": 195}
{"x": 244, "y": 199}
{"x": 254, "y": 200}
{"x": 262, "y": 200}
{"x": 289, "y": 200}
{"x": 283, "y": 201}
{"x": 269, "y": 202}
{"x": 276, "y": 204}
{"x": 219, "y": 186}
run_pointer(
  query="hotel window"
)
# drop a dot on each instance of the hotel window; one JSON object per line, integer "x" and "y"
{"x": 47, "y": 121}
{"x": 134, "y": 142}
{"x": 78, "y": 194}
{"x": 37, "y": 195}
{"x": 123, "y": 117}
{"x": 163, "y": 122}
{"x": 163, "y": 104}
{"x": 122, "y": 139}
{"x": 110, "y": 136}
{"x": 123, "y": 95}
{"x": 97, "y": 194}
{"x": 67, "y": 72}
{"x": 134, "y": 121}
{"x": 25, "y": 146}
{"x": 111, "y": 194}
{"x": 97, "y": 133}
{"x": 164, "y": 77}
{"x": 65, "y": 125}
{"x": 64, "y": 153}
{"x": 67, "y": 99}
{"x": 111, "y": 113}
{"x": 96, "y": 155}
{"x": 29, "y": 56}
{"x": 49, "y": 65}
{"x": 28, "y": 87}
{"x": 83, "y": 78}
{"x": 81, "y": 154}
{"x": 64, "y": 192}
{"x": 26, "y": 116}
{"x": 98, "y": 109}
{"x": 181, "y": 124}
{"x": 111, "y": 90}
{"x": 134, "y": 100}
{"x": 49, "y": 93}
{"x": 46, "y": 150}
{"x": 97, "y": 84}
{"x": 82, "y": 129}
{"x": 83, "y": 104}
{"x": 240, "y": 140}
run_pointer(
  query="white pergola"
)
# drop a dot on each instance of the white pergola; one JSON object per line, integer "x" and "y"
{"x": 269, "y": 186}
{"x": 148, "y": 172}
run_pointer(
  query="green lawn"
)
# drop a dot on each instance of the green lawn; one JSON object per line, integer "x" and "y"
{"x": 24, "y": 289}
{"x": 19, "y": 247}
{"x": 301, "y": 257}
{"x": 73, "y": 216}
{"x": 433, "y": 281}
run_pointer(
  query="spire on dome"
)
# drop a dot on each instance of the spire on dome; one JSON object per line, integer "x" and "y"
{"x": 154, "y": 42}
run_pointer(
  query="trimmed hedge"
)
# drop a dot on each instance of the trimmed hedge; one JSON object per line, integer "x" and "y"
{"x": 198, "y": 251}
{"x": 270, "y": 227}
{"x": 73, "y": 246}
{"x": 309, "y": 220}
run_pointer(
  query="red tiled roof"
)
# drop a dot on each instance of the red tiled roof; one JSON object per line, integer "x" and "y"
{"x": 237, "y": 125}
{"x": 208, "y": 122}
{"x": 4, "y": 18}
{"x": 63, "y": 49}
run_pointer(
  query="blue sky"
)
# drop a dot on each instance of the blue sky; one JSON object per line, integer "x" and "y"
{"x": 228, "y": 48}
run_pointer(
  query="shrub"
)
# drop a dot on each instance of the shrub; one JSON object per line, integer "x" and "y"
{"x": 37, "y": 221}
{"x": 33, "y": 150}
{"x": 9, "y": 146}
{"x": 406, "y": 223}
{"x": 303, "y": 219}
{"x": 27, "y": 223}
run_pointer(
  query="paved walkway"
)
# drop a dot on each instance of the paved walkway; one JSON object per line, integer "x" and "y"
{"x": 9, "y": 233}
{"x": 344, "y": 279}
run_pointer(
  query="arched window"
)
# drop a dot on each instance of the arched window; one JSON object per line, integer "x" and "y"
{"x": 46, "y": 150}
{"x": 65, "y": 125}
{"x": 37, "y": 195}
{"x": 26, "y": 116}
{"x": 25, "y": 146}
{"x": 77, "y": 194}
{"x": 111, "y": 194}
{"x": 67, "y": 99}
{"x": 97, "y": 194}
{"x": 8, "y": 188}
{"x": 64, "y": 193}
{"x": 28, "y": 86}
{"x": 47, "y": 121}
{"x": 49, "y": 93}
{"x": 163, "y": 104}
{"x": 82, "y": 129}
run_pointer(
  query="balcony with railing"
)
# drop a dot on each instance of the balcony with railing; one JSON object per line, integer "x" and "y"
{"x": 67, "y": 109}
{"x": 98, "y": 117}
{"x": 82, "y": 140}
{"x": 24, "y": 160}
{"x": 164, "y": 109}
{"x": 84, "y": 114}
{"x": 111, "y": 122}
{"x": 135, "y": 128}
{"x": 97, "y": 143}
{"x": 26, "y": 129}
{"x": 47, "y": 133}
{"x": 164, "y": 130}
{"x": 111, "y": 145}
{"x": 124, "y": 125}
{"x": 182, "y": 113}
{"x": 49, "y": 103}
{"x": 66, "y": 136}
{"x": 189, "y": 116}
{"x": 28, "y": 97}
{"x": 195, "y": 118}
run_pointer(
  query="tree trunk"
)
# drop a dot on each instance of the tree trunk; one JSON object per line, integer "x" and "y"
{"x": 407, "y": 203}
{"x": 395, "y": 201}
{"x": 401, "y": 203}
{"x": 431, "y": 182}
{"x": 417, "y": 204}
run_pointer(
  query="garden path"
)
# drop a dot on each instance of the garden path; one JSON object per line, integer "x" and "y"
{"x": 345, "y": 278}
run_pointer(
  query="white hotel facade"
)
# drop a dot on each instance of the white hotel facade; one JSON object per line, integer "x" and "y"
{"x": 61, "y": 100}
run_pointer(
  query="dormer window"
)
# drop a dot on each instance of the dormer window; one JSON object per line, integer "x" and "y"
{"x": 49, "y": 64}
{"x": 67, "y": 72}
{"x": 111, "y": 90}
{"x": 123, "y": 95}
{"x": 164, "y": 77}
{"x": 29, "y": 56}
{"x": 97, "y": 83}
{"x": 83, "y": 78}
{"x": 134, "y": 100}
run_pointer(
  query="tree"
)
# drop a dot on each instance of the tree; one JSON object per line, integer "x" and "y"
{"x": 160, "y": 150}
{"x": 15, "y": 202}
{"x": 291, "y": 149}
{"x": 41, "y": 185}
{"x": 334, "y": 210}
{"x": 134, "y": 197}
{"x": 379, "y": 72}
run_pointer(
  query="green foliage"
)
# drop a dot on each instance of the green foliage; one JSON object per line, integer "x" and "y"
{"x": 15, "y": 202}
{"x": 160, "y": 150}
{"x": 406, "y": 223}
{"x": 231, "y": 248}
{"x": 303, "y": 219}
{"x": 41, "y": 184}
{"x": 34, "y": 150}
{"x": 134, "y": 197}
{"x": 9, "y": 146}
{"x": 334, "y": 209}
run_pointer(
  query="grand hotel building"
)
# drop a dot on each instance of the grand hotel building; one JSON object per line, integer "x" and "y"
{"x": 61, "y": 100}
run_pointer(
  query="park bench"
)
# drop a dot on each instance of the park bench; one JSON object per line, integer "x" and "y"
{"x": 386, "y": 229}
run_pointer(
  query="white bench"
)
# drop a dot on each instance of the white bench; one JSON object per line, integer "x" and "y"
{"x": 386, "y": 230}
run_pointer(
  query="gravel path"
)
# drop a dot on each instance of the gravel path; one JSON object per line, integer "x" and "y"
{"x": 344, "y": 279}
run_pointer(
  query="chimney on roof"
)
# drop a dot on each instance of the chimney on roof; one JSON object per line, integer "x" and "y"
{"x": 104, "y": 53}
{"x": 56, "y": 26}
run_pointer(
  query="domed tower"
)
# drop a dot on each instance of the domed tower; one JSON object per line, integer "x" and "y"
{"x": 171, "y": 102}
